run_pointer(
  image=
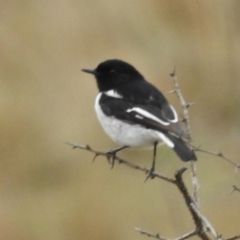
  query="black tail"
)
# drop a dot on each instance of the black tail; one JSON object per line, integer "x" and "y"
{"x": 182, "y": 149}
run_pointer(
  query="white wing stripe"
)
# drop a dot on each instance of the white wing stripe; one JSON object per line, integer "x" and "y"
{"x": 147, "y": 115}
{"x": 166, "y": 140}
{"x": 139, "y": 116}
{"x": 175, "y": 114}
{"x": 112, "y": 93}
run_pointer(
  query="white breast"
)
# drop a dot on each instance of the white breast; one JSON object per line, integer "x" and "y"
{"x": 127, "y": 134}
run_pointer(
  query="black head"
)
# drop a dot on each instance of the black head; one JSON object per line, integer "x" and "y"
{"x": 113, "y": 73}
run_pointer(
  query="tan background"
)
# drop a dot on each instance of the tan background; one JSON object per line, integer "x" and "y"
{"x": 47, "y": 190}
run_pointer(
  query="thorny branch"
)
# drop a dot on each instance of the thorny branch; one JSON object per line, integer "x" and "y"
{"x": 120, "y": 161}
{"x": 157, "y": 236}
{"x": 182, "y": 101}
{"x": 186, "y": 120}
{"x": 218, "y": 154}
{"x": 202, "y": 225}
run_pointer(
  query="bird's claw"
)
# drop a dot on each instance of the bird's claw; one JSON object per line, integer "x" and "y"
{"x": 150, "y": 174}
{"x": 111, "y": 156}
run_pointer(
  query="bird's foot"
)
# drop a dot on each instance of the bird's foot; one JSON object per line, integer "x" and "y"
{"x": 111, "y": 156}
{"x": 150, "y": 173}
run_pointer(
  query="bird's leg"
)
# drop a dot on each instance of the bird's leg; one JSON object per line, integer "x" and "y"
{"x": 152, "y": 169}
{"x": 111, "y": 154}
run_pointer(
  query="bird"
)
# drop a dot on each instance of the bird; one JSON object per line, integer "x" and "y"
{"x": 134, "y": 113}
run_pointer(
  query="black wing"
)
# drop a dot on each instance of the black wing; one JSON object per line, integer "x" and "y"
{"x": 147, "y": 115}
{"x": 144, "y": 93}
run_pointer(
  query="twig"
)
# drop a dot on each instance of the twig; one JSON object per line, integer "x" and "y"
{"x": 199, "y": 223}
{"x": 207, "y": 225}
{"x": 217, "y": 154}
{"x": 195, "y": 183}
{"x": 234, "y": 188}
{"x": 183, "y": 103}
{"x": 121, "y": 161}
{"x": 157, "y": 236}
{"x": 202, "y": 225}
{"x": 233, "y": 238}
{"x": 185, "y": 107}
{"x": 187, "y": 235}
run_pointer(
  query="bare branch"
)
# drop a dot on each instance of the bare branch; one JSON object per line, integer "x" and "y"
{"x": 186, "y": 120}
{"x": 200, "y": 226}
{"x": 195, "y": 183}
{"x": 182, "y": 101}
{"x": 157, "y": 236}
{"x": 187, "y": 235}
{"x": 120, "y": 161}
{"x": 234, "y": 238}
{"x": 207, "y": 225}
{"x": 201, "y": 222}
{"x": 217, "y": 154}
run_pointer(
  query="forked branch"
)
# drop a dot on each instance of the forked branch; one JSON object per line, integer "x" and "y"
{"x": 202, "y": 225}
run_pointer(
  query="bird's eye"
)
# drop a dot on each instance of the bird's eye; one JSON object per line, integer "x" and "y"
{"x": 112, "y": 71}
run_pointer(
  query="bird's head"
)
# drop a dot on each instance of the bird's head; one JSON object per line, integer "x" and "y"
{"x": 113, "y": 73}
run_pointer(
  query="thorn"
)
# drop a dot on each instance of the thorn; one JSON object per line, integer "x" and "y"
{"x": 231, "y": 192}
{"x": 94, "y": 158}
{"x": 184, "y": 120}
{"x": 193, "y": 150}
{"x": 234, "y": 188}
{"x": 87, "y": 147}
{"x": 220, "y": 154}
{"x": 187, "y": 105}
{"x": 236, "y": 168}
{"x": 219, "y": 237}
{"x": 71, "y": 144}
{"x": 198, "y": 148}
{"x": 173, "y": 73}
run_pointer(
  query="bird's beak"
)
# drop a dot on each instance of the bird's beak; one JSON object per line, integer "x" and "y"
{"x": 91, "y": 71}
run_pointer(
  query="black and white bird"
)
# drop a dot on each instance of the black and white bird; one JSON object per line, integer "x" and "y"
{"x": 134, "y": 113}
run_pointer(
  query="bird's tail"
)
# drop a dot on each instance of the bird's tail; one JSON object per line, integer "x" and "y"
{"x": 182, "y": 149}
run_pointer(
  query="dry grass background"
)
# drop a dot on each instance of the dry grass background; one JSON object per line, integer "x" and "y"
{"x": 47, "y": 190}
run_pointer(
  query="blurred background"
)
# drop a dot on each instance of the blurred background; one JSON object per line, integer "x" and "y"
{"x": 49, "y": 191}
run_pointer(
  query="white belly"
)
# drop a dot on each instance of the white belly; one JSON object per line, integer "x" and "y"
{"x": 126, "y": 134}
